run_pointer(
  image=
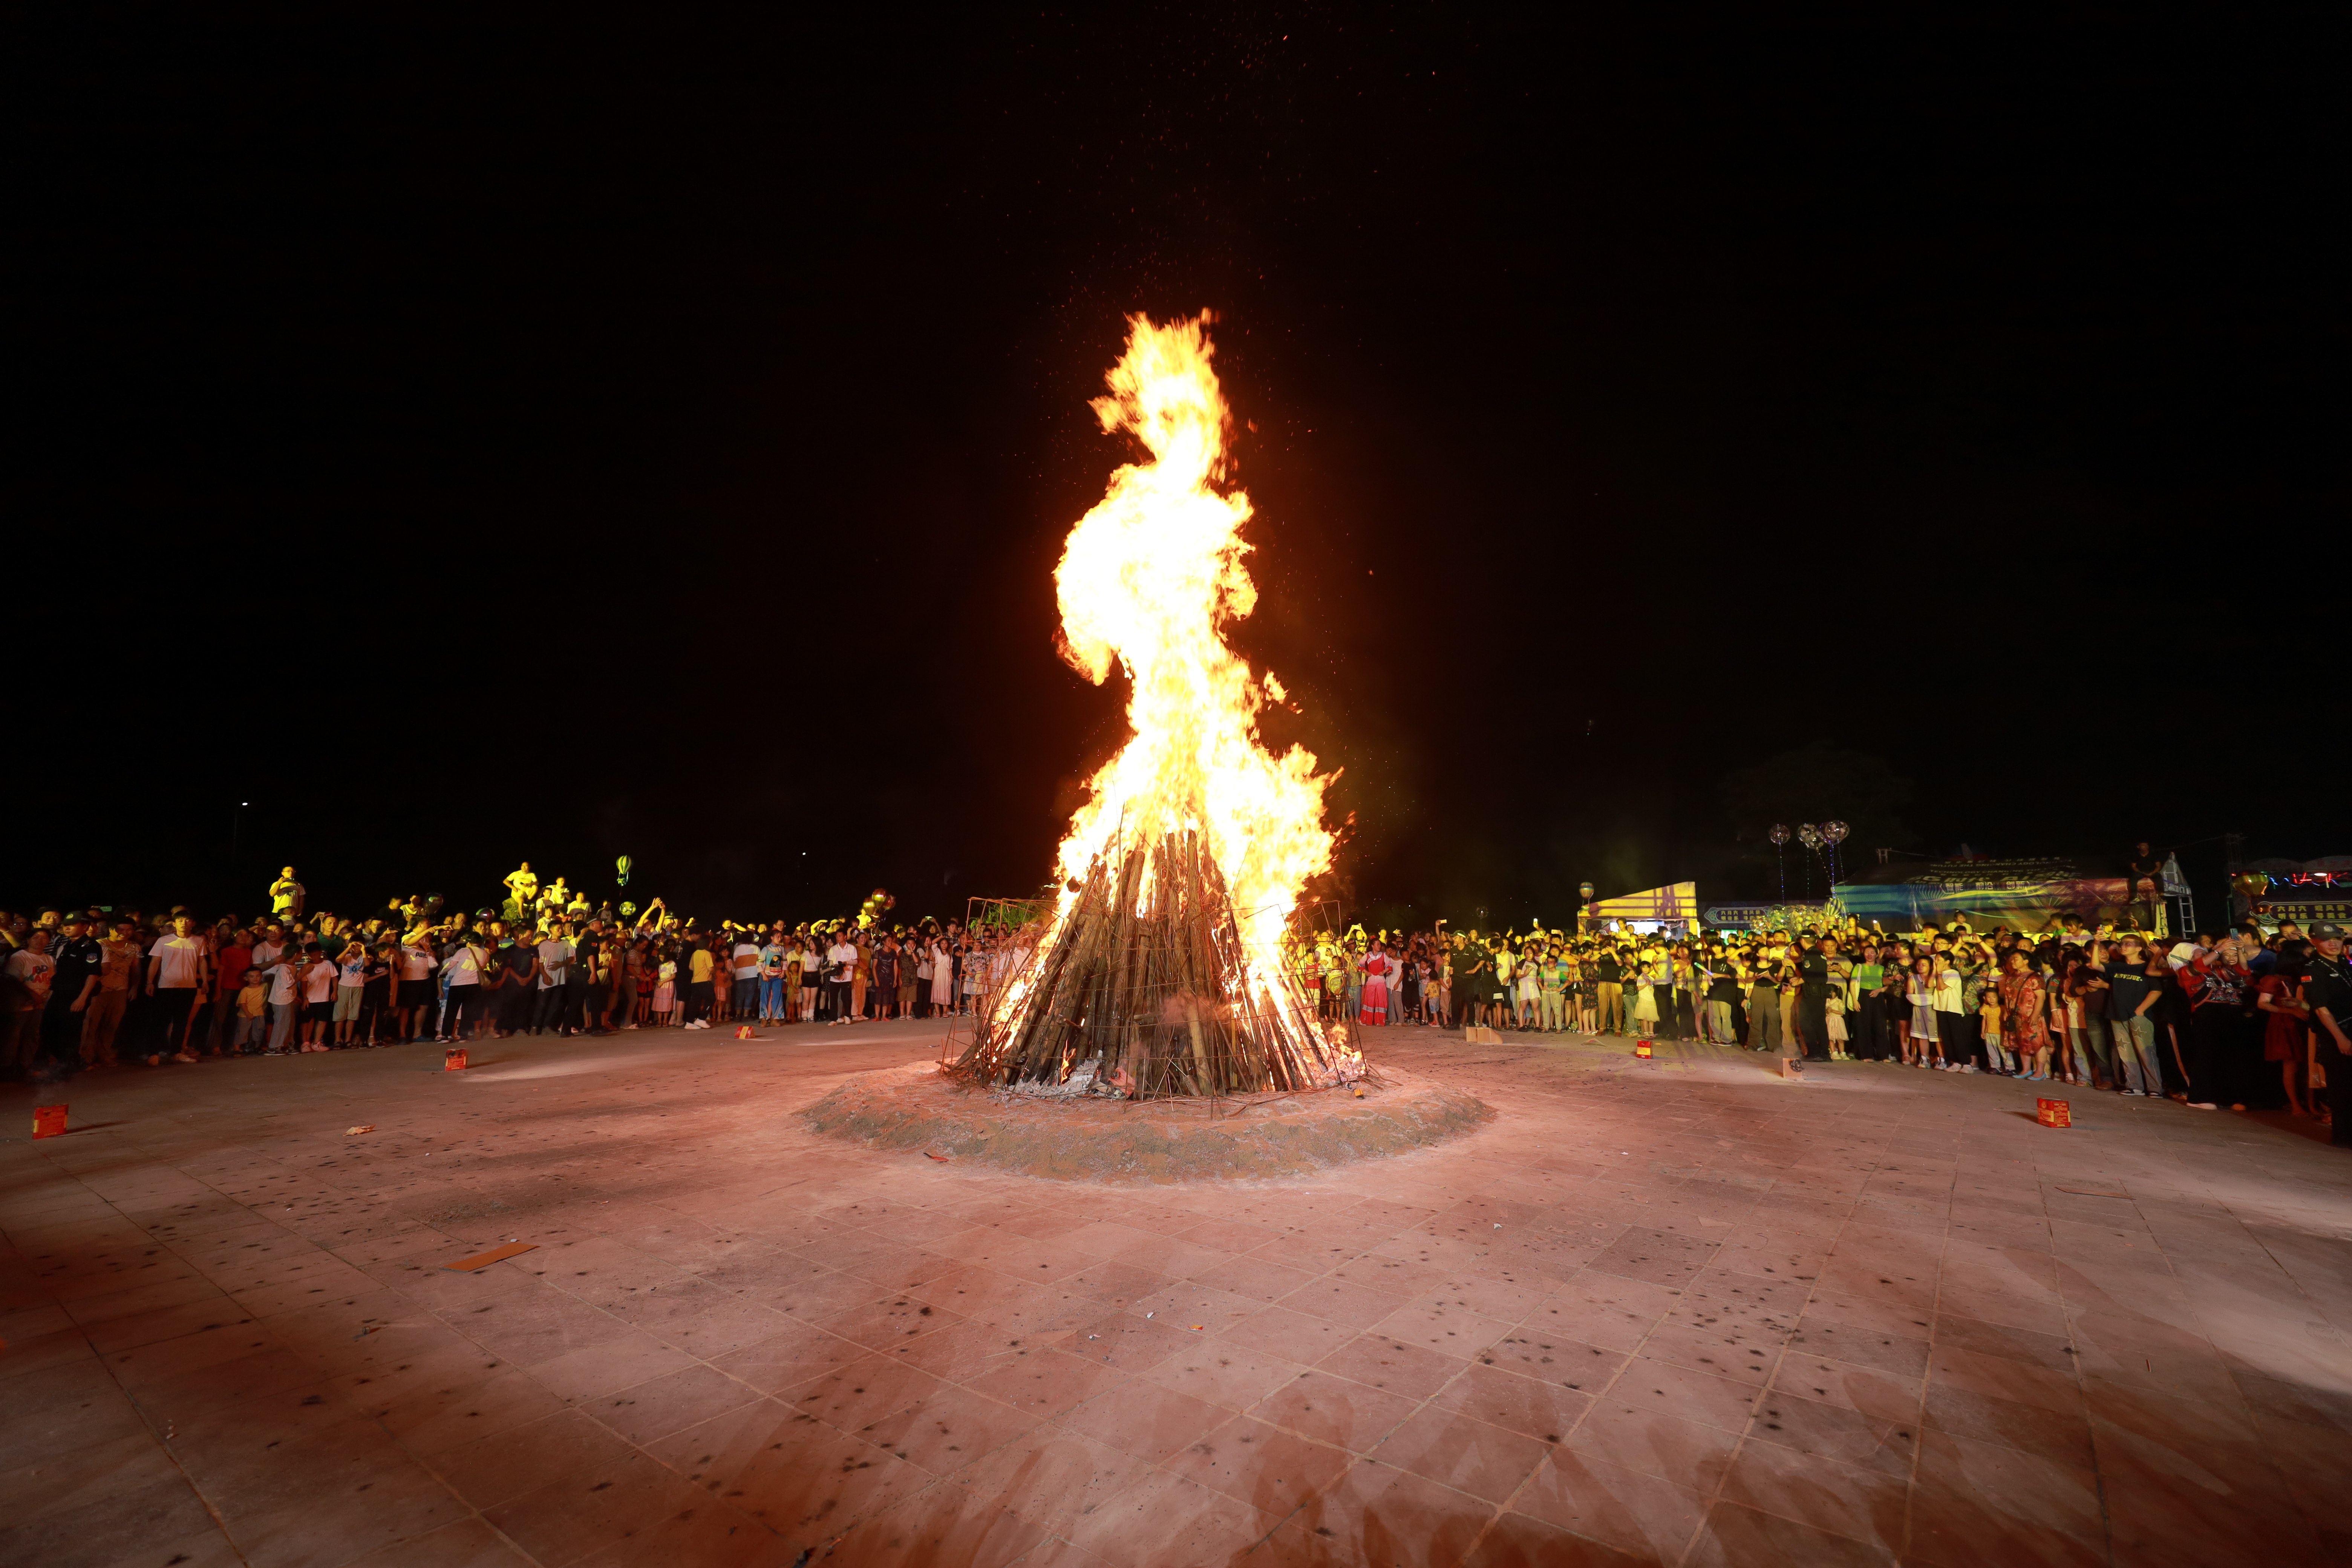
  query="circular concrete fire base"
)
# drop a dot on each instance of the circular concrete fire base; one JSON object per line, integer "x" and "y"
{"x": 918, "y": 1109}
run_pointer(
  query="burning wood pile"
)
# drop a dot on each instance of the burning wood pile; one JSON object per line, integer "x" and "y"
{"x": 1146, "y": 989}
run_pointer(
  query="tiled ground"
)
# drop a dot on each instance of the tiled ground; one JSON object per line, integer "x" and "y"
{"x": 1671, "y": 1312}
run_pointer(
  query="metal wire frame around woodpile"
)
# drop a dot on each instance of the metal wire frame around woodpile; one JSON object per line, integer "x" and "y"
{"x": 1147, "y": 977}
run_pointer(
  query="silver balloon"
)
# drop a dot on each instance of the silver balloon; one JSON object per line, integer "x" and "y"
{"x": 1835, "y": 832}
{"x": 1779, "y": 834}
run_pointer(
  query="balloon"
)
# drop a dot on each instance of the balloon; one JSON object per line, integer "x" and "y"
{"x": 1835, "y": 832}
{"x": 1809, "y": 835}
{"x": 623, "y": 865}
{"x": 1779, "y": 834}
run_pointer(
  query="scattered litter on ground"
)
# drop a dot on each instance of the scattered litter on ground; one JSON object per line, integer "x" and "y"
{"x": 355, "y": 1131}
{"x": 482, "y": 1260}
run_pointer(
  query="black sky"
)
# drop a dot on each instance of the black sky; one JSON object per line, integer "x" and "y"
{"x": 626, "y": 431}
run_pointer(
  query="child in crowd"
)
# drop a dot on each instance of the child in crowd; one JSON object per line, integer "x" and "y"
{"x": 665, "y": 993}
{"x": 1989, "y": 1028}
{"x": 252, "y": 1014}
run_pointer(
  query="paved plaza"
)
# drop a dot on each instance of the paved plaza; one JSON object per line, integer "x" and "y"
{"x": 1672, "y": 1311}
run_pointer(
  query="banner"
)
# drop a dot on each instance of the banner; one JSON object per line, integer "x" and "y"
{"x": 1674, "y": 902}
{"x": 2018, "y": 905}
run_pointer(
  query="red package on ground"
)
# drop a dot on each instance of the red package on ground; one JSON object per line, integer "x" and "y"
{"x": 453, "y": 1060}
{"x": 2055, "y": 1113}
{"x": 49, "y": 1121}
{"x": 1642, "y": 1048}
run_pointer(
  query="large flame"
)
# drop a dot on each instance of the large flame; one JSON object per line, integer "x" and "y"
{"x": 1147, "y": 579}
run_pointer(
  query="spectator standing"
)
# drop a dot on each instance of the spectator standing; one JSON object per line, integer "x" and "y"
{"x": 2215, "y": 981}
{"x": 418, "y": 962}
{"x": 461, "y": 968}
{"x": 2135, "y": 987}
{"x": 285, "y": 978}
{"x": 103, "y": 1019}
{"x": 231, "y": 959}
{"x": 319, "y": 974}
{"x": 555, "y": 954}
{"x": 841, "y": 979}
{"x": 252, "y": 1015}
{"x": 775, "y": 958}
{"x": 744, "y": 998}
{"x": 27, "y": 981}
{"x": 701, "y": 967}
{"x": 350, "y": 991}
{"x": 80, "y": 962}
{"x": 2286, "y": 1022}
{"x": 176, "y": 984}
{"x": 943, "y": 998}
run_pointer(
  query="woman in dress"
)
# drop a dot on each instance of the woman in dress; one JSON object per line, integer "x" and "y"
{"x": 2024, "y": 1031}
{"x": 1375, "y": 966}
{"x": 2286, "y": 1020}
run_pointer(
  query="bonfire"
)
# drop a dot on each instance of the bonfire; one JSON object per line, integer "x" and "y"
{"x": 1158, "y": 969}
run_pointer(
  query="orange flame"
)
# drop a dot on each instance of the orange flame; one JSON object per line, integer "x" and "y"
{"x": 1147, "y": 581}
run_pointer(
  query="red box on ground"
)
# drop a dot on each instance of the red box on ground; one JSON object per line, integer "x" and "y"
{"x": 49, "y": 1121}
{"x": 453, "y": 1060}
{"x": 2054, "y": 1112}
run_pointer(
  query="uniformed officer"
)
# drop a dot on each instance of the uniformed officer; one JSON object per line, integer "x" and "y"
{"x": 2327, "y": 991}
{"x": 79, "y": 960}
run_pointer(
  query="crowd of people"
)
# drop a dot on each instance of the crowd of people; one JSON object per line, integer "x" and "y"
{"x": 95, "y": 988}
{"x": 2252, "y": 1016}
{"x": 2247, "y": 1016}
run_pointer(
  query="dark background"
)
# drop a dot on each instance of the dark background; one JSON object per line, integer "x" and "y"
{"x": 603, "y": 431}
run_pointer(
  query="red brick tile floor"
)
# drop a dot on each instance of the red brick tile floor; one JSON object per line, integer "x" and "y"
{"x": 1673, "y": 1312}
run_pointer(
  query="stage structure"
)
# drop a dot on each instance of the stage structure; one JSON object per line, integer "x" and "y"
{"x": 1160, "y": 968}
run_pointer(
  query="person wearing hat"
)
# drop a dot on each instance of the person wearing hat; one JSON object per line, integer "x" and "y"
{"x": 2327, "y": 993}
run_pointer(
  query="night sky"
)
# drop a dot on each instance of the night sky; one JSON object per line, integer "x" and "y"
{"x": 612, "y": 432}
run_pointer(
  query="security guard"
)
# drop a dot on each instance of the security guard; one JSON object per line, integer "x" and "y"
{"x": 2327, "y": 991}
{"x": 80, "y": 962}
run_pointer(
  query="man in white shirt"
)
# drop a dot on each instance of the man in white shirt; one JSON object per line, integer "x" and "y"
{"x": 554, "y": 976}
{"x": 841, "y": 969}
{"x": 175, "y": 984}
